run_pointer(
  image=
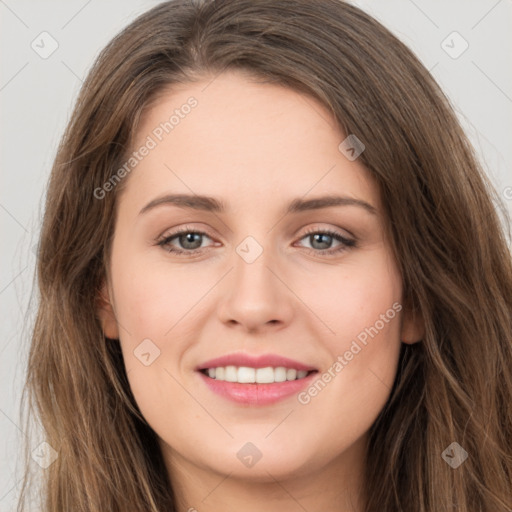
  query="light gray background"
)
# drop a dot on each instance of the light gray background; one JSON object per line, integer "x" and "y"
{"x": 36, "y": 96}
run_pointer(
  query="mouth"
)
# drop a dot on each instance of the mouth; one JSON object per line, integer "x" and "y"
{"x": 249, "y": 375}
{"x": 250, "y": 380}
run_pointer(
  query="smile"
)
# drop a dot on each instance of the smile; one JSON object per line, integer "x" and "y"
{"x": 248, "y": 375}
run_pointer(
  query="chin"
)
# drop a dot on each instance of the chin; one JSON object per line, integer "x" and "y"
{"x": 261, "y": 461}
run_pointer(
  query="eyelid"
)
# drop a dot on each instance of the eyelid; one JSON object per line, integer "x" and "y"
{"x": 336, "y": 230}
{"x": 310, "y": 230}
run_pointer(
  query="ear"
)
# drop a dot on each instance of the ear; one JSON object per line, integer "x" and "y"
{"x": 106, "y": 313}
{"x": 413, "y": 327}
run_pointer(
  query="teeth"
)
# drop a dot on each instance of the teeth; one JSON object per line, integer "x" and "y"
{"x": 291, "y": 374}
{"x": 247, "y": 375}
{"x": 265, "y": 375}
{"x": 230, "y": 374}
{"x": 280, "y": 374}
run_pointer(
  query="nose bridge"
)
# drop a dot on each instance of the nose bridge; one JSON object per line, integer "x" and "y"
{"x": 252, "y": 263}
{"x": 254, "y": 296}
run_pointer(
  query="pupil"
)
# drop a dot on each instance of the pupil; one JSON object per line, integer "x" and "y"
{"x": 320, "y": 235}
{"x": 189, "y": 238}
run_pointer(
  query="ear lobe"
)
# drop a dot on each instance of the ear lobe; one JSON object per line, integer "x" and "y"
{"x": 106, "y": 313}
{"x": 413, "y": 327}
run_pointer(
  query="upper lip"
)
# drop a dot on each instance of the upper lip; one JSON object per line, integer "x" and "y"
{"x": 261, "y": 361}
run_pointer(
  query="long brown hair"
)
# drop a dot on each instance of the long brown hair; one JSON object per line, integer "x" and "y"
{"x": 441, "y": 212}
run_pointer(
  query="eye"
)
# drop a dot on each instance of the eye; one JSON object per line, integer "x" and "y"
{"x": 190, "y": 241}
{"x": 322, "y": 239}
{"x": 188, "y": 238}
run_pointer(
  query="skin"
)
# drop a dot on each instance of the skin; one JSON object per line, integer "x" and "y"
{"x": 256, "y": 146}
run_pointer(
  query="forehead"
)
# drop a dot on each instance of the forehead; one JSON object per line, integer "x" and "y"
{"x": 235, "y": 137}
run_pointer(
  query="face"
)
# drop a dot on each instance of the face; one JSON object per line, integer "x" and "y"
{"x": 258, "y": 276}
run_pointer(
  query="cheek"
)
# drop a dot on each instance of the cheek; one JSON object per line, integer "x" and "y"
{"x": 364, "y": 314}
{"x": 155, "y": 300}
{"x": 164, "y": 305}
{"x": 155, "y": 303}
{"x": 352, "y": 299}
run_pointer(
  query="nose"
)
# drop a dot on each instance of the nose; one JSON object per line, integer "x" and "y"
{"x": 255, "y": 297}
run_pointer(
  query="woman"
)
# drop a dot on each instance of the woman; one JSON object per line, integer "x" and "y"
{"x": 341, "y": 337}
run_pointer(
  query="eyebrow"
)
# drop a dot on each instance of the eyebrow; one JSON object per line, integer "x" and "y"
{"x": 211, "y": 204}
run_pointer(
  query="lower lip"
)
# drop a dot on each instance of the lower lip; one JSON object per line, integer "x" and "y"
{"x": 257, "y": 394}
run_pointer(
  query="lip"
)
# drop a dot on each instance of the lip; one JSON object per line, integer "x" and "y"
{"x": 262, "y": 361}
{"x": 256, "y": 394}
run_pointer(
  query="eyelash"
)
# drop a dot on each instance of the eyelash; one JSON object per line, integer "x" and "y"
{"x": 346, "y": 243}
